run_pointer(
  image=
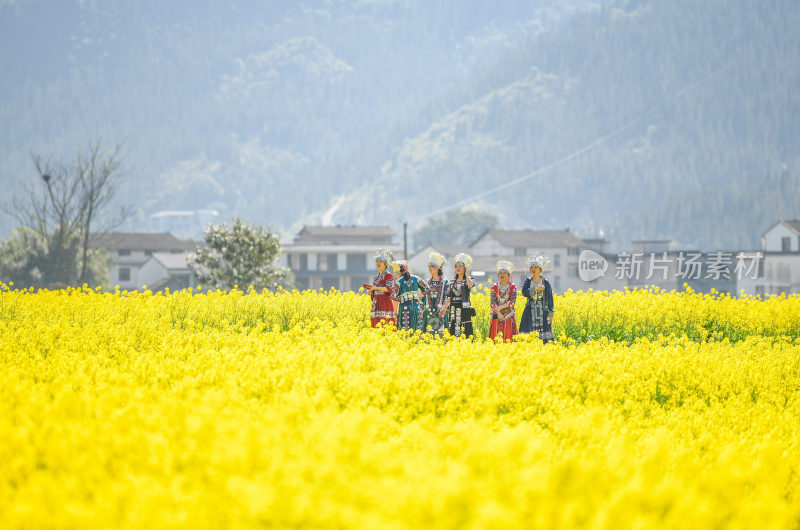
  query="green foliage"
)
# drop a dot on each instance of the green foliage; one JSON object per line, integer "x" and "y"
{"x": 57, "y": 213}
{"x": 239, "y": 255}
{"x": 306, "y": 106}
{"x": 29, "y": 259}
{"x": 702, "y": 93}
{"x": 410, "y": 104}
{"x": 462, "y": 226}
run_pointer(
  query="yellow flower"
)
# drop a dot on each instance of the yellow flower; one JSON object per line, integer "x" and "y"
{"x": 653, "y": 409}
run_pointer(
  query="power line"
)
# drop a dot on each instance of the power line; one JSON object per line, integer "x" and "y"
{"x": 589, "y": 147}
{"x": 575, "y": 154}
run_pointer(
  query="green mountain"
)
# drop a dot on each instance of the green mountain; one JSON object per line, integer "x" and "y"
{"x": 629, "y": 119}
{"x": 263, "y": 110}
{"x": 640, "y": 120}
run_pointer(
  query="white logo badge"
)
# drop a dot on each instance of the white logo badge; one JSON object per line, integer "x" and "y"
{"x": 591, "y": 265}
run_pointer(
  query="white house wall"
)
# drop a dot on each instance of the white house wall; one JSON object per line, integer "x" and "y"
{"x": 781, "y": 275}
{"x": 125, "y": 285}
{"x": 133, "y": 262}
{"x": 489, "y": 246}
{"x": 151, "y": 273}
{"x": 772, "y": 239}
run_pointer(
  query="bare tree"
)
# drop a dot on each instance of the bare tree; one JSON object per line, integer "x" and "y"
{"x": 66, "y": 204}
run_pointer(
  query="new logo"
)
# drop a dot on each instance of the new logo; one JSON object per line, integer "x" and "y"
{"x": 591, "y": 265}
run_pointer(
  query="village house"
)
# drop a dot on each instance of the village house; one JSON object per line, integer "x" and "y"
{"x": 779, "y": 270}
{"x": 651, "y": 263}
{"x": 418, "y": 262}
{"x": 167, "y": 271}
{"x": 341, "y": 257}
{"x": 562, "y": 247}
{"x": 155, "y": 260}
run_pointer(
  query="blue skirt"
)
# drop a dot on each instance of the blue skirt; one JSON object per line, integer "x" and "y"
{"x": 408, "y": 316}
{"x": 543, "y": 327}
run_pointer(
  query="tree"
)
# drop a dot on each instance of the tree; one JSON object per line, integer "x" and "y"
{"x": 56, "y": 217}
{"x": 461, "y": 226}
{"x": 239, "y": 255}
{"x": 24, "y": 258}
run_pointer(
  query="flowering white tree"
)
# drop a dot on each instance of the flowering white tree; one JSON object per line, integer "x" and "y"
{"x": 239, "y": 254}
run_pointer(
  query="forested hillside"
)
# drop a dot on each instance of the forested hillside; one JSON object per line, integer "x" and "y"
{"x": 630, "y": 119}
{"x": 259, "y": 109}
{"x": 689, "y": 111}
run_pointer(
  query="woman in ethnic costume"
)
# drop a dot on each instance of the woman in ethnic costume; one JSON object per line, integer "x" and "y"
{"x": 381, "y": 290}
{"x": 539, "y": 311}
{"x": 457, "y": 304}
{"x": 432, "y": 320}
{"x": 408, "y": 289}
{"x": 503, "y": 300}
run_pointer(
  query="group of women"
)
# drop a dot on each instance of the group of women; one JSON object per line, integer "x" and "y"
{"x": 437, "y": 304}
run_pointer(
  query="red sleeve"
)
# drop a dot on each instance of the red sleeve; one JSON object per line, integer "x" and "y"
{"x": 388, "y": 281}
{"x": 493, "y": 298}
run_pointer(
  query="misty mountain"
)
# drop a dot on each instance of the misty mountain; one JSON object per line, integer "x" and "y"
{"x": 640, "y": 120}
{"x": 628, "y": 119}
{"x": 264, "y": 110}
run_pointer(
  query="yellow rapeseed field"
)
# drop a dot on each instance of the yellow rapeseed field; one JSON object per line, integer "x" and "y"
{"x": 286, "y": 410}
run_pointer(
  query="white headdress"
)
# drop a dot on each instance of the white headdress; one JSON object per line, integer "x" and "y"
{"x": 464, "y": 259}
{"x": 505, "y": 265}
{"x": 538, "y": 260}
{"x": 399, "y": 263}
{"x": 385, "y": 255}
{"x": 437, "y": 260}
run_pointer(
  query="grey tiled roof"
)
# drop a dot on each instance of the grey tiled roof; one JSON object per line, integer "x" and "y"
{"x": 154, "y": 241}
{"x": 347, "y": 230}
{"x": 172, "y": 261}
{"x": 792, "y": 224}
{"x": 535, "y": 238}
{"x": 340, "y": 234}
{"x": 795, "y": 224}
